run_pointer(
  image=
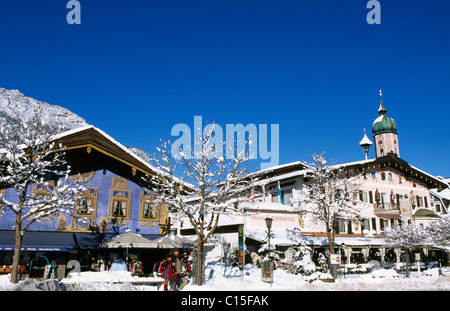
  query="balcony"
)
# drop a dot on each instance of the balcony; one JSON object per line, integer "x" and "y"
{"x": 386, "y": 208}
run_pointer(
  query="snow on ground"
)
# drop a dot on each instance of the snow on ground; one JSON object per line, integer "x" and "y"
{"x": 229, "y": 279}
{"x": 221, "y": 278}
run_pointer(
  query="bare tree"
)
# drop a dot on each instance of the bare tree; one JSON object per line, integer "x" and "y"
{"x": 408, "y": 236}
{"x": 328, "y": 196}
{"x": 203, "y": 184}
{"x": 439, "y": 232}
{"x": 29, "y": 158}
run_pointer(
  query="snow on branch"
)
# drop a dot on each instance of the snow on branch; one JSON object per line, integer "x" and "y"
{"x": 32, "y": 165}
{"x": 199, "y": 182}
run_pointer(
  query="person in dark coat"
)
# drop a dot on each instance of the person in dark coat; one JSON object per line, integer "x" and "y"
{"x": 167, "y": 272}
{"x": 178, "y": 267}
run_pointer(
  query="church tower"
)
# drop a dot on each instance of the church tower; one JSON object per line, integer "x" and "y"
{"x": 384, "y": 132}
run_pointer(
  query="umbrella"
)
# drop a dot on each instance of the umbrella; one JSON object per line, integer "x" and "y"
{"x": 128, "y": 240}
{"x": 173, "y": 241}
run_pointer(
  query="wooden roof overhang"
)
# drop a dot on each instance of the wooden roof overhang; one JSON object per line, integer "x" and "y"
{"x": 393, "y": 161}
{"x": 92, "y": 139}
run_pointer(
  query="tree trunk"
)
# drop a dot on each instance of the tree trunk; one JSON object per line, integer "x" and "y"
{"x": 331, "y": 241}
{"x": 333, "y": 268}
{"x": 200, "y": 263}
{"x": 17, "y": 247}
{"x": 407, "y": 259}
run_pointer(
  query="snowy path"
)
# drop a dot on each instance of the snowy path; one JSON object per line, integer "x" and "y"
{"x": 219, "y": 278}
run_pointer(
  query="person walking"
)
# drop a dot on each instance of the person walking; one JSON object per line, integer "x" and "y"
{"x": 167, "y": 272}
{"x": 178, "y": 268}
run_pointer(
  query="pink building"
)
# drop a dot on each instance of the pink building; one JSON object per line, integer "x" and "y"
{"x": 390, "y": 190}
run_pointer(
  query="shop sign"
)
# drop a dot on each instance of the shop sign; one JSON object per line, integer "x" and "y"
{"x": 335, "y": 259}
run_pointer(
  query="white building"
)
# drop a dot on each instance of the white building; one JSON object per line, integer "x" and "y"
{"x": 390, "y": 190}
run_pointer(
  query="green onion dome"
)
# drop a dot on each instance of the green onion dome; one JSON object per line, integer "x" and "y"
{"x": 383, "y": 124}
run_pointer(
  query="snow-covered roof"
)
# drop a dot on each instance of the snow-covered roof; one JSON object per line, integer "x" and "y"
{"x": 268, "y": 206}
{"x": 444, "y": 194}
{"x": 281, "y": 177}
{"x": 279, "y": 167}
{"x": 148, "y": 167}
{"x": 112, "y": 140}
{"x": 224, "y": 220}
{"x": 280, "y": 237}
{"x": 289, "y": 237}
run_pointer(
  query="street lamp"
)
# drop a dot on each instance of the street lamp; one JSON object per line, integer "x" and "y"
{"x": 365, "y": 143}
{"x": 269, "y": 221}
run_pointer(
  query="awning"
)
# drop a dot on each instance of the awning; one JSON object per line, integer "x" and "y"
{"x": 39, "y": 241}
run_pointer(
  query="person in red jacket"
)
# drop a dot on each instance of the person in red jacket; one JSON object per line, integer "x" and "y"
{"x": 167, "y": 272}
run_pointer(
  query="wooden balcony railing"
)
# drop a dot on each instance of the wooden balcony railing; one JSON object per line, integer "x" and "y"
{"x": 385, "y": 207}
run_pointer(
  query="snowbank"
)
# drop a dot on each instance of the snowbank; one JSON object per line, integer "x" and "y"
{"x": 220, "y": 277}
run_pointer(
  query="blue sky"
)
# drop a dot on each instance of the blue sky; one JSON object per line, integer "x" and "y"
{"x": 136, "y": 68}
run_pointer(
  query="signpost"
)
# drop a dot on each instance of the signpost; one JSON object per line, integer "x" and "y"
{"x": 335, "y": 259}
{"x": 241, "y": 249}
{"x": 417, "y": 257}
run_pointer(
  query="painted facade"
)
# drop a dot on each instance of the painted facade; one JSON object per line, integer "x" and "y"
{"x": 116, "y": 199}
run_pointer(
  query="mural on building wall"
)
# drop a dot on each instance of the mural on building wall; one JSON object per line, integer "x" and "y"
{"x": 110, "y": 203}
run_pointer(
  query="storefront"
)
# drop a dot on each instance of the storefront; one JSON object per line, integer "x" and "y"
{"x": 40, "y": 249}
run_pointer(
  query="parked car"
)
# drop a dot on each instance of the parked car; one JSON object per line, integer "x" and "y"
{"x": 387, "y": 265}
{"x": 431, "y": 264}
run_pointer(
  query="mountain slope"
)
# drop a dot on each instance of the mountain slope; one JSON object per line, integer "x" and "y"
{"x": 14, "y": 105}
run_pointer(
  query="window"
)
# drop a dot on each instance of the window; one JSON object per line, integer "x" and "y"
{"x": 366, "y": 225}
{"x": 286, "y": 195}
{"x": 390, "y": 178}
{"x": 383, "y": 176}
{"x": 373, "y": 174}
{"x": 419, "y": 201}
{"x": 87, "y": 202}
{"x": 383, "y": 196}
{"x": 119, "y": 201}
{"x": 120, "y": 207}
{"x": 3, "y": 194}
{"x": 365, "y": 196}
{"x": 149, "y": 209}
{"x": 438, "y": 207}
{"x": 340, "y": 226}
{"x": 84, "y": 206}
{"x": 41, "y": 192}
{"x": 275, "y": 198}
{"x": 370, "y": 197}
{"x": 119, "y": 183}
{"x": 374, "y": 224}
